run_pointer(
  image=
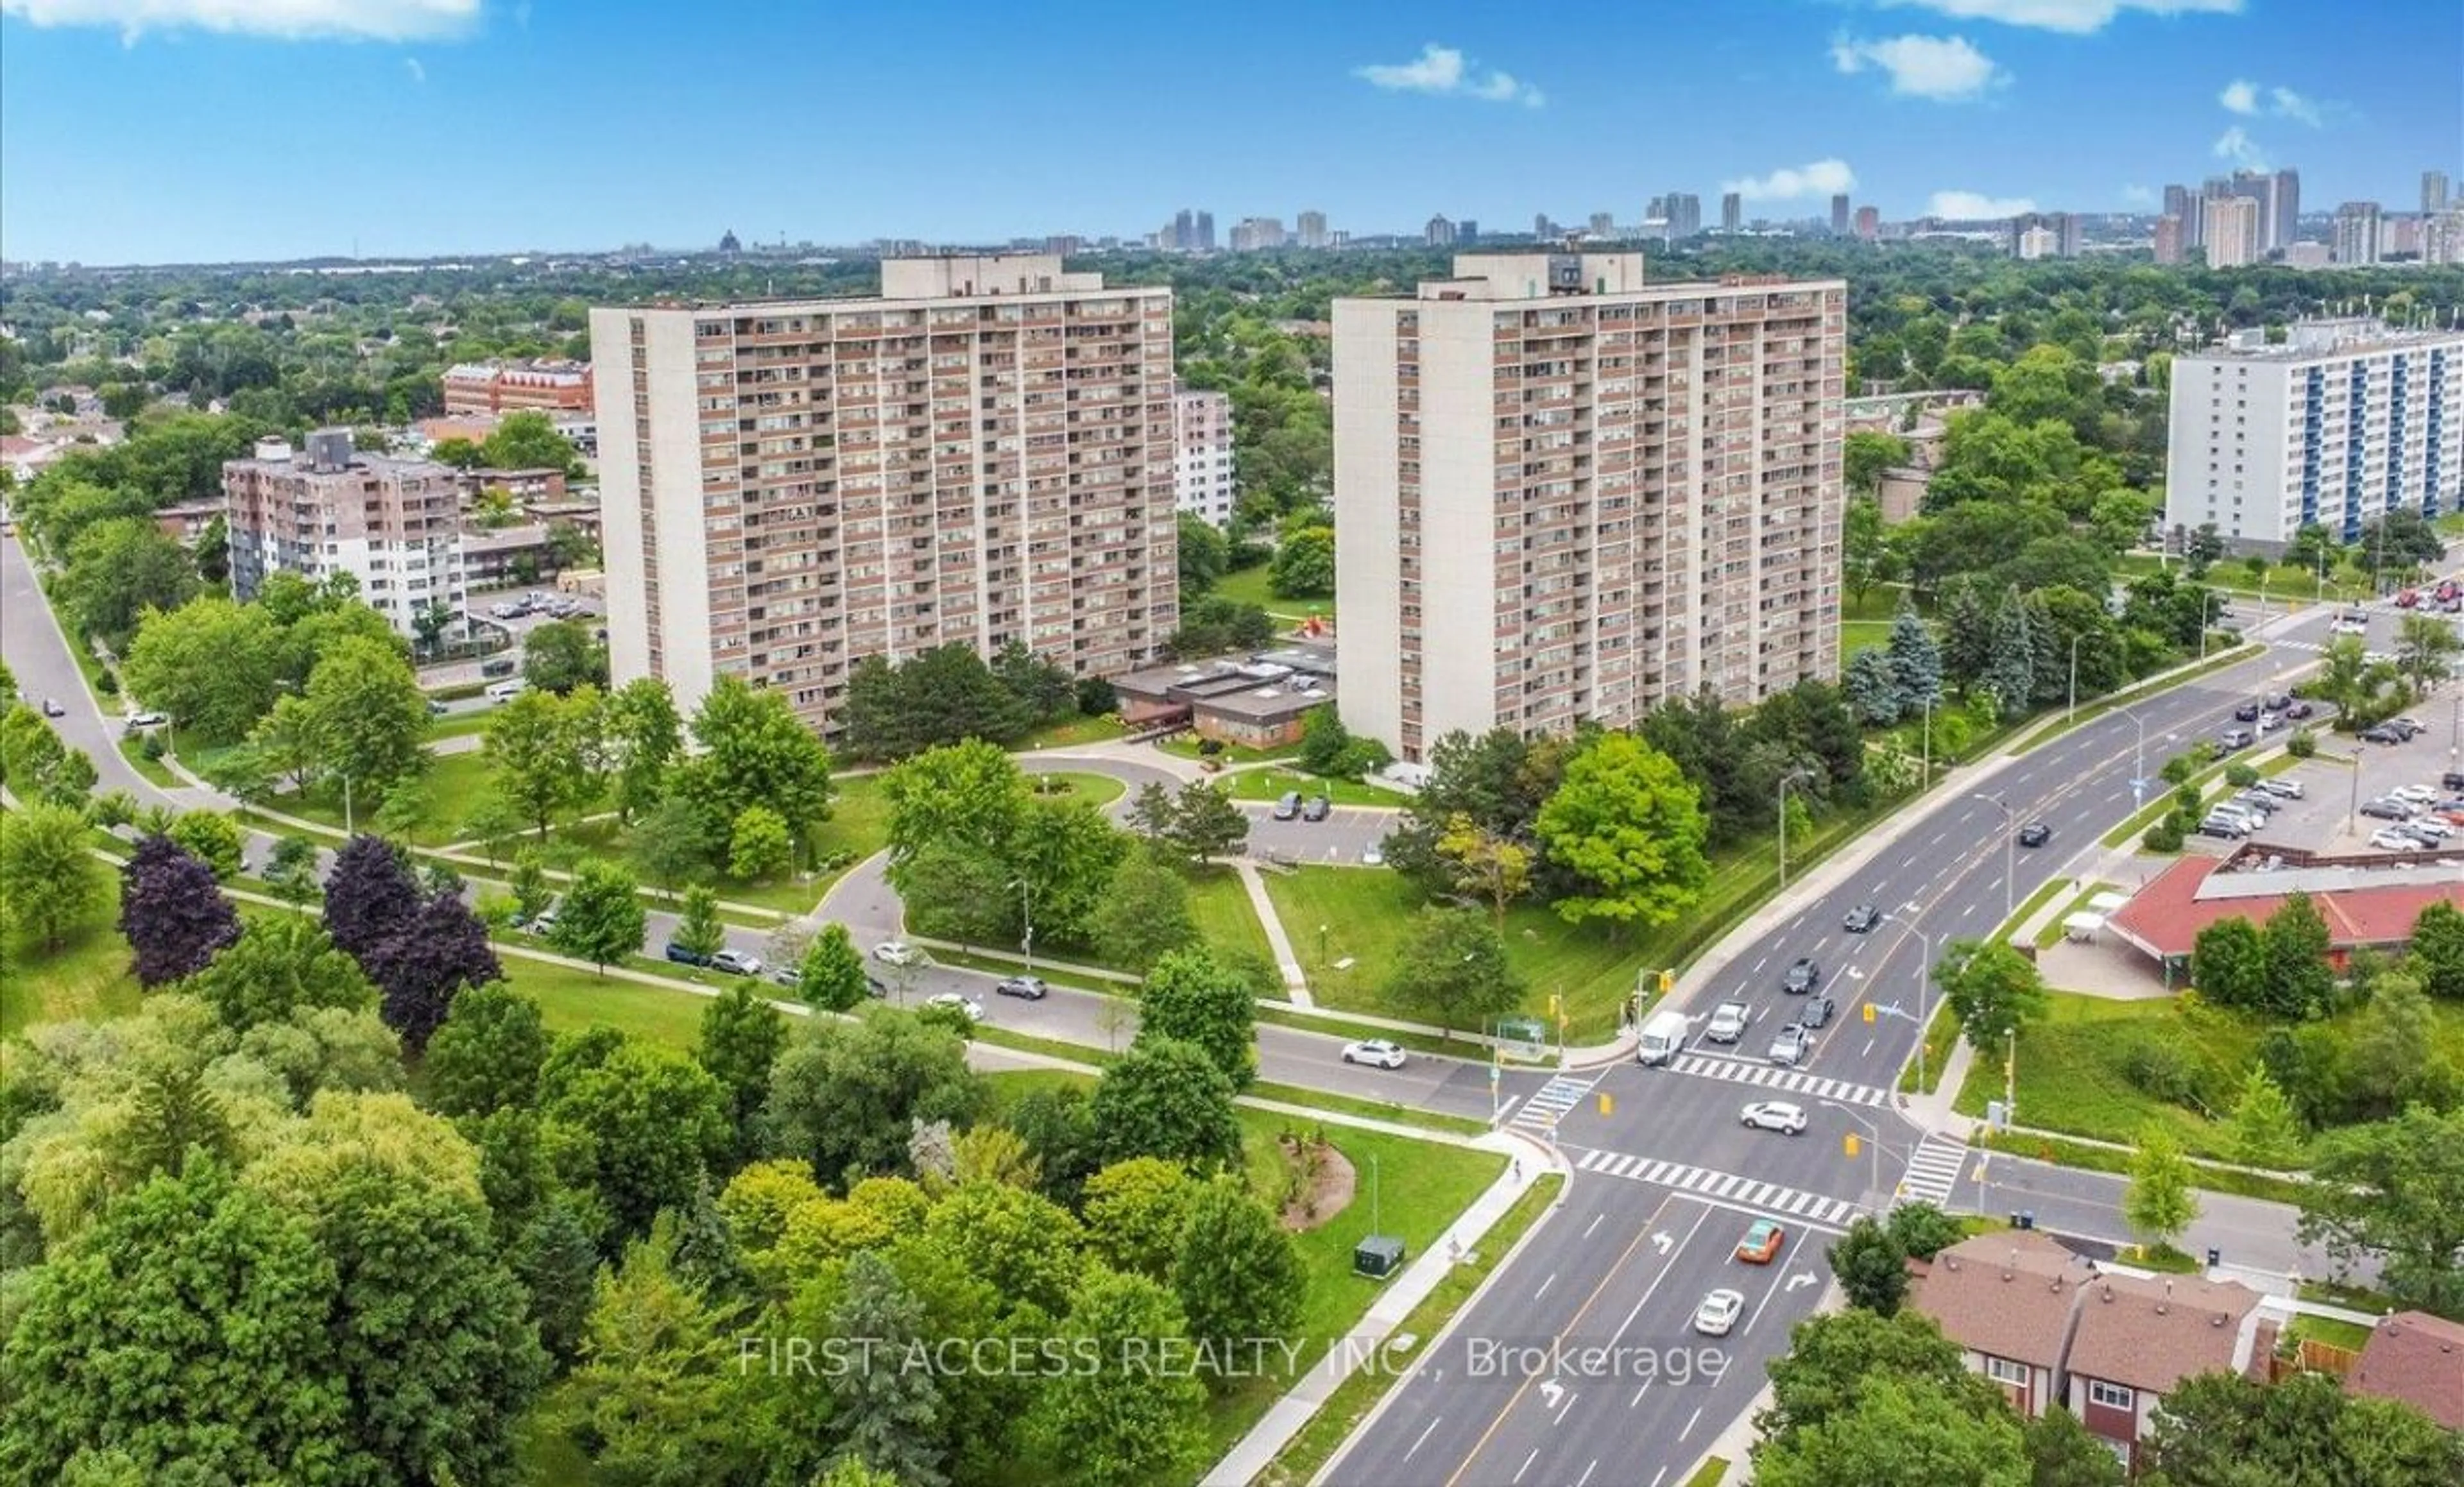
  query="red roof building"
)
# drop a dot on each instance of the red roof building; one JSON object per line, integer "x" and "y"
{"x": 2370, "y": 907}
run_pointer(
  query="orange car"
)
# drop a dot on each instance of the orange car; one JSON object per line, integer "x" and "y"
{"x": 1761, "y": 1245}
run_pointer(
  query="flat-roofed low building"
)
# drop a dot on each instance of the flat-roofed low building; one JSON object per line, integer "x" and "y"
{"x": 517, "y": 386}
{"x": 1257, "y": 701}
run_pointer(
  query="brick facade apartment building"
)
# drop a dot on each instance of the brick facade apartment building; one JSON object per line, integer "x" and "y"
{"x": 1564, "y": 494}
{"x": 392, "y": 524}
{"x": 981, "y": 453}
{"x": 550, "y": 388}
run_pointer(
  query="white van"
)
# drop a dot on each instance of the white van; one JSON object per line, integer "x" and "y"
{"x": 1663, "y": 1037}
{"x": 507, "y": 692}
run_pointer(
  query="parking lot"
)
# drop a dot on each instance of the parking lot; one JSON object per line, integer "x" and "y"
{"x": 2347, "y": 775}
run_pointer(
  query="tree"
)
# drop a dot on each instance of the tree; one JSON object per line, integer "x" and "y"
{"x": 2392, "y": 1058}
{"x": 1167, "y": 1098}
{"x": 2439, "y": 949}
{"x": 698, "y": 932}
{"x": 1144, "y": 914}
{"x": 2223, "y": 1430}
{"x": 644, "y": 736}
{"x": 36, "y": 765}
{"x": 2263, "y": 1130}
{"x": 1835, "y": 1357}
{"x": 533, "y": 894}
{"x": 1136, "y": 1212}
{"x": 406, "y": 806}
{"x": 561, "y": 655}
{"x": 602, "y": 919}
{"x": 1895, "y": 1431}
{"x": 2229, "y": 964}
{"x": 886, "y": 1417}
{"x": 1923, "y": 1229}
{"x": 458, "y": 452}
{"x": 369, "y": 896}
{"x": 1044, "y": 689}
{"x": 2299, "y": 980}
{"x": 1991, "y": 988}
{"x": 1627, "y": 827}
{"x": 759, "y": 846}
{"x": 1117, "y": 1424}
{"x": 1866, "y": 554}
{"x": 1871, "y": 1267}
{"x": 117, "y": 570}
{"x": 954, "y": 894}
{"x": 830, "y": 976}
{"x": 186, "y": 1332}
{"x": 756, "y": 751}
{"x": 210, "y": 664}
{"x": 279, "y": 967}
{"x": 740, "y": 1037}
{"x": 1237, "y": 1276}
{"x": 49, "y": 879}
{"x": 675, "y": 843}
{"x": 2011, "y": 664}
{"x": 172, "y": 913}
{"x": 368, "y": 713}
{"x": 1206, "y": 824}
{"x": 488, "y": 1055}
{"x": 210, "y": 838}
{"x": 1453, "y": 970}
{"x": 640, "y": 1130}
{"x": 1866, "y": 454}
{"x": 1215, "y": 624}
{"x": 1195, "y": 998}
{"x": 2425, "y": 648}
{"x": 1303, "y": 566}
{"x": 1204, "y": 555}
{"x": 947, "y": 695}
{"x": 659, "y": 1388}
{"x": 1872, "y": 687}
{"x": 2394, "y": 1189}
{"x": 1149, "y": 816}
{"x": 429, "y": 961}
{"x": 844, "y": 1096}
{"x": 2062, "y": 1453}
{"x": 535, "y": 751}
{"x": 528, "y": 440}
{"x": 2159, "y": 1203}
{"x": 1488, "y": 865}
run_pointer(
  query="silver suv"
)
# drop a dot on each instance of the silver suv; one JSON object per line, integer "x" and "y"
{"x": 1728, "y": 1022}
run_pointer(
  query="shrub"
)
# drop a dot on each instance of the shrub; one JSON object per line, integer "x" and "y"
{"x": 2165, "y": 836}
{"x": 153, "y": 746}
{"x": 2161, "y": 1070}
{"x": 2180, "y": 768}
{"x": 2242, "y": 776}
{"x": 2302, "y": 745}
{"x": 107, "y": 683}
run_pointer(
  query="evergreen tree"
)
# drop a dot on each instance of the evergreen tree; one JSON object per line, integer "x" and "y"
{"x": 887, "y": 1418}
{"x": 1871, "y": 686}
{"x": 1916, "y": 659}
{"x": 2262, "y": 1129}
{"x": 2011, "y": 661}
{"x": 1968, "y": 637}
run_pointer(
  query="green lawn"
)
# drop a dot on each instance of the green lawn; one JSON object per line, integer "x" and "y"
{"x": 1186, "y": 745}
{"x": 1271, "y": 784}
{"x": 1071, "y": 732}
{"x": 87, "y": 979}
{"x": 2071, "y": 1068}
{"x": 571, "y": 1000}
{"x": 155, "y": 771}
{"x": 1856, "y": 635}
{"x": 453, "y": 783}
{"x": 1221, "y": 907}
{"x": 1250, "y": 586}
{"x": 1093, "y": 789}
{"x": 2282, "y": 582}
{"x": 458, "y": 725}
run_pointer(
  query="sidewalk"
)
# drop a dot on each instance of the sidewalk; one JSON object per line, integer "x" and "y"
{"x": 1287, "y": 959}
{"x": 1255, "y": 1450}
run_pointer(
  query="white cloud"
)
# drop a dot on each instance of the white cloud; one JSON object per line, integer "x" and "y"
{"x": 2237, "y": 145}
{"x": 380, "y": 20}
{"x": 1976, "y": 205}
{"x": 2240, "y": 96}
{"x": 2294, "y": 106}
{"x": 1445, "y": 73}
{"x": 1944, "y": 67}
{"x": 2137, "y": 196}
{"x": 418, "y": 74}
{"x": 2078, "y": 17}
{"x": 1788, "y": 183}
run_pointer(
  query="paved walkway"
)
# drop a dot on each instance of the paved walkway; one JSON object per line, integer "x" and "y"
{"x": 1287, "y": 959}
{"x": 1255, "y": 1450}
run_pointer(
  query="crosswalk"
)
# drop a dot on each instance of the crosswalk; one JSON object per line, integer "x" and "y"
{"x": 1772, "y": 1076}
{"x": 1727, "y": 1187}
{"x": 1551, "y": 1102}
{"x": 1933, "y": 1169}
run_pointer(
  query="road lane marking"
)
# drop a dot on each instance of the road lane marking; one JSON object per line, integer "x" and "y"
{"x": 1688, "y": 1431}
{"x": 1570, "y": 1397}
{"x": 1594, "y": 1224}
{"x": 1423, "y": 1437}
{"x": 1584, "y": 1479}
{"x": 1779, "y": 1273}
{"x": 1544, "y": 1285}
{"x": 1640, "y": 1300}
{"x": 1526, "y": 1463}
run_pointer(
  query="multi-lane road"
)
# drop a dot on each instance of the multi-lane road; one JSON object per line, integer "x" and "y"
{"x": 1667, "y": 1178}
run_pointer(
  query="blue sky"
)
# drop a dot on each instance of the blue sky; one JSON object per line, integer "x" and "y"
{"x": 158, "y": 130}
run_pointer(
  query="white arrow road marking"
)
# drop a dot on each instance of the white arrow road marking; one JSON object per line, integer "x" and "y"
{"x": 1661, "y": 1242}
{"x": 1801, "y": 1278}
{"x": 1550, "y": 1392}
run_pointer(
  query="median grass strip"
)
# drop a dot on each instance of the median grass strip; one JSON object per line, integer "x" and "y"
{"x": 2089, "y": 712}
{"x": 1308, "y": 1451}
{"x": 156, "y": 772}
{"x": 1942, "y": 1036}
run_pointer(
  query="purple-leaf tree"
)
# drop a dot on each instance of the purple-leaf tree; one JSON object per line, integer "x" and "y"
{"x": 420, "y": 967}
{"x": 371, "y": 897}
{"x": 173, "y": 914}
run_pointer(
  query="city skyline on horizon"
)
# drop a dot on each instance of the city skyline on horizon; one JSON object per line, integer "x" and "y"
{"x": 423, "y": 128}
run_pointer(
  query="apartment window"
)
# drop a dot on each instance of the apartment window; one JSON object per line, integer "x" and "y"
{"x": 2112, "y": 1396}
{"x": 2002, "y": 1370}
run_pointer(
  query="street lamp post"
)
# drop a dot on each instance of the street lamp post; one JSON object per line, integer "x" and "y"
{"x": 1928, "y": 748}
{"x": 2071, "y": 712}
{"x": 1026, "y": 919}
{"x": 1925, "y": 984}
{"x": 1792, "y": 776}
{"x": 2207, "y": 620}
{"x": 2010, "y": 849}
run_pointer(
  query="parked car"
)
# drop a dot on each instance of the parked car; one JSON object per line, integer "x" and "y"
{"x": 952, "y": 1001}
{"x": 1375, "y": 1052}
{"x": 2276, "y": 702}
{"x": 2382, "y": 734}
{"x": 2035, "y": 833}
{"x": 2236, "y": 739}
{"x": 2393, "y": 841}
{"x": 2300, "y": 710}
{"x": 2228, "y": 828}
{"x": 2264, "y": 802}
{"x": 2385, "y": 809}
{"x": 502, "y": 665}
{"x": 1790, "y": 1048}
{"x": 2247, "y": 712}
{"x": 435, "y": 708}
{"x": 2269, "y": 722}
{"x": 147, "y": 719}
{"x": 1719, "y": 1312}
{"x": 1776, "y": 1115}
{"x": 1728, "y": 1022}
{"x": 2419, "y": 794}
{"x": 1762, "y": 1241}
{"x": 2429, "y": 826}
{"x": 1372, "y": 856}
{"x": 1031, "y": 987}
{"x": 2283, "y": 787}
{"x": 1802, "y": 978}
{"x": 685, "y": 957}
{"x": 896, "y": 952}
{"x": 737, "y": 962}
{"x": 51, "y": 708}
{"x": 1862, "y": 919}
{"x": 1288, "y": 808}
{"x": 1317, "y": 808}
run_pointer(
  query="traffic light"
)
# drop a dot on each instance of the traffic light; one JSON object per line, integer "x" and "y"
{"x": 1608, "y": 1104}
{"x": 1848, "y": 1142}
{"x": 1868, "y": 1009}
{"x": 1667, "y": 982}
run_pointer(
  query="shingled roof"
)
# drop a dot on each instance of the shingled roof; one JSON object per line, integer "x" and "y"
{"x": 2007, "y": 1295}
{"x": 2153, "y": 1332}
{"x": 2418, "y": 1359}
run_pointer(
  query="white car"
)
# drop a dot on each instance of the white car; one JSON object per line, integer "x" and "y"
{"x": 2388, "y": 838}
{"x": 1375, "y": 1052}
{"x": 1728, "y": 1022}
{"x": 1719, "y": 1312}
{"x": 897, "y": 952}
{"x": 147, "y": 720}
{"x": 1372, "y": 856}
{"x": 1776, "y": 1115}
{"x": 741, "y": 962}
{"x": 2418, "y": 795}
{"x": 2429, "y": 826}
{"x": 2349, "y": 627}
{"x": 974, "y": 1011}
